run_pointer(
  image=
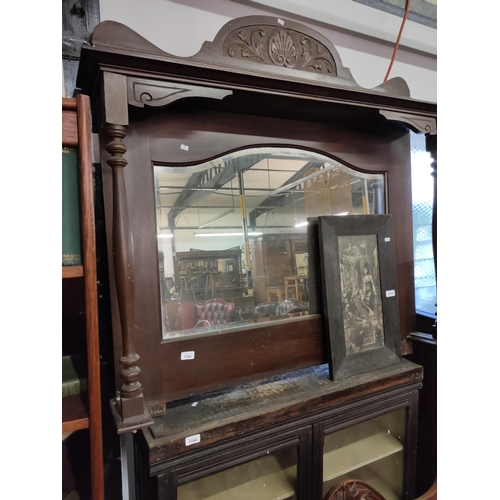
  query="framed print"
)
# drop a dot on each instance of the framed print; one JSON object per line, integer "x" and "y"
{"x": 359, "y": 293}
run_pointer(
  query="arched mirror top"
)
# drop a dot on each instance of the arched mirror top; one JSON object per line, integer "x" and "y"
{"x": 233, "y": 235}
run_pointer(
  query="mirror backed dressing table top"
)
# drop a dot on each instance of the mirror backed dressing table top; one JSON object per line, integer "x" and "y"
{"x": 198, "y": 127}
{"x": 259, "y": 84}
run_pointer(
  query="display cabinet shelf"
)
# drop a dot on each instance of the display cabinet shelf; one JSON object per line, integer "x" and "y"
{"x": 364, "y": 474}
{"x": 361, "y": 446}
{"x": 263, "y": 477}
{"x": 372, "y": 440}
{"x": 72, "y": 271}
{"x": 75, "y": 415}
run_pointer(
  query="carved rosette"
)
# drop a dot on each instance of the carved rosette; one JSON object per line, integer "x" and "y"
{"x": 280, "y": 47}
{"x": 353, "y": 490}
{"x": 360, "y": 491}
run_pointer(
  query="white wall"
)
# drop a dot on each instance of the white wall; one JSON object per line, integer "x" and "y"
{"x": 180, "y": 27}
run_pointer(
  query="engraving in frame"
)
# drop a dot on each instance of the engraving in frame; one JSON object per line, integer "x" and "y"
{"x": 280, "y": 47}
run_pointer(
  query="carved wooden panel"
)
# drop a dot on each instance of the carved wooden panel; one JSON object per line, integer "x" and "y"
{"x": 280, "y": 47}
{"x": 141, "y": 91}
{"x": 353, "y": 490}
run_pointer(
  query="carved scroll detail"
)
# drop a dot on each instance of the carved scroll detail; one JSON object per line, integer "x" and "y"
{"x": 280, "y": 47}
{"x": 141, "y": 92}
{"x": 420, "y": 123}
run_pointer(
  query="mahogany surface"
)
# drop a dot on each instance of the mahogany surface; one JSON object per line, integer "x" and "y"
{"x": 260, "y": 404}
{"x": 211, "y": 133}
{"x": 234, "y": 102}
{"x": 75, "y": 414}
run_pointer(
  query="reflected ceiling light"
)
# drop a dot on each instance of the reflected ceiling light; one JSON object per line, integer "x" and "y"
{"x": 302, "y": 224}
{"x": 226, "y": 234}
{"x": 225, "y": 214}
{"x": 304, "y": 179}
{"x": 165, "y": 235}
{"x": 342, "y": 213}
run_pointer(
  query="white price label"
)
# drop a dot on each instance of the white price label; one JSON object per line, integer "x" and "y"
{"x": 280, "y": 21}
{"x": 187, "y": 355}
{"x": 184, "y": 147}
{"x": 193, "y": 439}
{"x": 390, "y": 293}
{"x": 387, "y": 239}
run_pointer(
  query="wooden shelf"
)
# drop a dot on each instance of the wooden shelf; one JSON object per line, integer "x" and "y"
{"x": 84, "y": 411}
{"x": 75, "y": 415}
{"x": 356, "y": 447}
{"x": 72, "y": 271}
{"x": 260, "y": 478}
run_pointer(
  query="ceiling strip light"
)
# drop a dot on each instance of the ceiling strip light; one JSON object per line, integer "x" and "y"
{"x": 226, "y": 234}
{"x": 225, "y": 214}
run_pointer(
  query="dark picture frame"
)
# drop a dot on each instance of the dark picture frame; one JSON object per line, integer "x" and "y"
{"x": 359, "y": 293}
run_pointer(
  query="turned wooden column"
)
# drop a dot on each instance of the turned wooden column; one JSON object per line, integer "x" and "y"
{"x": 129, "y": 409}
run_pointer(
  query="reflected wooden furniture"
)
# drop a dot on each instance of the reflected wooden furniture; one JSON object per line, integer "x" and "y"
{"x": 201, "y": 273}
{"x": 279, "y": 291}
{"x": 353, "y": 489}
{"x": 274, "y": 258}
{"x": 296, "y": 285}
{"x": 80, "y": 328}
{"x": 213, "y": 284}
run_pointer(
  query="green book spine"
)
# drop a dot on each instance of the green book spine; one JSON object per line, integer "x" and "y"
{"x": 71, "y": 242}
{"x": 74, "y": 379}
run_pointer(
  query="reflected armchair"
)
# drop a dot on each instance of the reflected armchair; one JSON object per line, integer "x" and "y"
{"x": 212, "y": 312}
{"x": 282, "y": 308}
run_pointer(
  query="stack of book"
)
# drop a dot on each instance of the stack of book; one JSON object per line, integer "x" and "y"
{"x": 74, "y": 376}
{"x": 71, "y": 238}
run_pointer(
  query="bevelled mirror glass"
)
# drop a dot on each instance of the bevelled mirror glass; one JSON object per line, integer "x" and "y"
{"x": 232, "y": 234}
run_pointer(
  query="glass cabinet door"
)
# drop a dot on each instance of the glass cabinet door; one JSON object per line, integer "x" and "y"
{"x": 270, "y": 477}
{"x": 371, "y": 451}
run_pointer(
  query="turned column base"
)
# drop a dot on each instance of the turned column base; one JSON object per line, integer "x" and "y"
{"x": 130, "y": 414}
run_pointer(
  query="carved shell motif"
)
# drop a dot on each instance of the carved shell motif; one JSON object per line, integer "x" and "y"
{"x": 280, "y": 47}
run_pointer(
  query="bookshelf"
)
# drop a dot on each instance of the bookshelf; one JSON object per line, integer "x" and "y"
{"x": 72, "y": 271}
{"x": 80, "y": 330}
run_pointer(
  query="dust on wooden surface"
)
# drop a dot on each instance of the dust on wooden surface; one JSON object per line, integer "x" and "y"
{"x": 254, "y": 399}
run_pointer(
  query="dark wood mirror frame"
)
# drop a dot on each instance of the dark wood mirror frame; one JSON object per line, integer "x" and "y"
{"x": 261, "y": 82}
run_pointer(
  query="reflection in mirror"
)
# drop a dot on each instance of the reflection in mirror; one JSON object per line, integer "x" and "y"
{"x": 232, "y": 234}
